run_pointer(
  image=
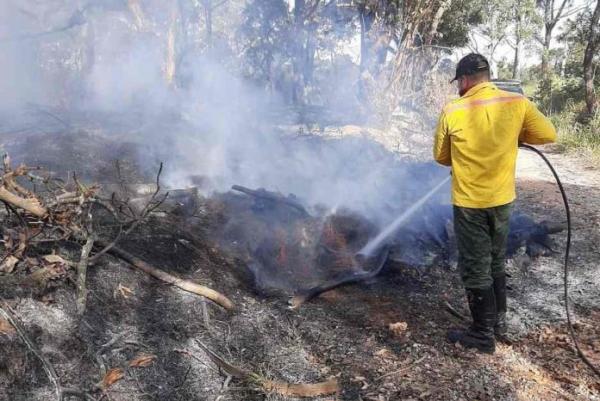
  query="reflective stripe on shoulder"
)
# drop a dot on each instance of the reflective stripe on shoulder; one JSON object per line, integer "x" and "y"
{"x": 482, "y": 102}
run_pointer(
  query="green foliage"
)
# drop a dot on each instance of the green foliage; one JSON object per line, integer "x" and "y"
{"x": 565, "y": 84}
{"x": 265, "y": 35}
{"x": 554, "y": 94}
{"x": 460, "y": 18}
{"x": 577, "y": 133}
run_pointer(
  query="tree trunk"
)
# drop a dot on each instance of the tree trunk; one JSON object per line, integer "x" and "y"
{"x": 299, "y": 54}
{"x": 516, "y": 71}
{"x": 551, "y": 18}
{"x": 138, "y": 14}
{"x": 170, "y": 62}
{"x": 437, "y": 18}
{"x": 208, "y": 21}
{"x": 309, "y": 58}
{"x": 546, "y": 52}
{"x": 366, "y": 19}
{"x": 588, "y": 61}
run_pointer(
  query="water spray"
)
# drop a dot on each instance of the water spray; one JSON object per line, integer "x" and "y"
{"x": 374, "y": 244}
{"x": 370, "y": 259}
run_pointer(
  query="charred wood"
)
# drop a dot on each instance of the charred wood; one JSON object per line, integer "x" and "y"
{"x": 273, "y": 197}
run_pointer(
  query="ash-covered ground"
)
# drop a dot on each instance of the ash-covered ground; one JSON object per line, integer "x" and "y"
{"x": 383, "y": 339}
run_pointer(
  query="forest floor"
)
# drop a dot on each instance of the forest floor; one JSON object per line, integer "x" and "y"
{"x": 382, "y": 340}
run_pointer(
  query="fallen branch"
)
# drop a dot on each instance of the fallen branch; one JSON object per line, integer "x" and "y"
{"x": 168, "y": 278}
{"x": 328, "y": 387}
{"x": 30, "y": 205}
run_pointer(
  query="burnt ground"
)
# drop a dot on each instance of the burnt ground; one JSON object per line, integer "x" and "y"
{"x": 344, "y": 333}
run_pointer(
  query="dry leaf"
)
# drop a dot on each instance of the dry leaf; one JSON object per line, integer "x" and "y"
{"x": 111, "y": 377}
{"x": 399, "y": 328}
{"x": 142, "y": 360}
{"x": 125, "y": 291}
{"x": 6, "y": 328}
{"x": 383, "y": 352}
{"x": 32, "y": 261}
{"x": 53, "y": 258}
{"x": 9, "y": 264}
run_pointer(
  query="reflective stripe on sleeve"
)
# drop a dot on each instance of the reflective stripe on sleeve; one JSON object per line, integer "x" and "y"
{"x": 481, "y": 102}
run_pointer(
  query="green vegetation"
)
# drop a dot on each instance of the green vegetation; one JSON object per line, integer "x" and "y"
{"x": 578, "y": 133}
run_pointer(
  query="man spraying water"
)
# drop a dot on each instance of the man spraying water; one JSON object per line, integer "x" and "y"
{"x": 478, "y": 136}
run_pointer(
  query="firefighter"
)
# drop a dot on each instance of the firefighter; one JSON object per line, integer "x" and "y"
{"x": 478, "y": 136}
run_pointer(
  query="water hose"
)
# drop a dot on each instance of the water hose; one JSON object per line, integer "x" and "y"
{"x": 566, "y": 263}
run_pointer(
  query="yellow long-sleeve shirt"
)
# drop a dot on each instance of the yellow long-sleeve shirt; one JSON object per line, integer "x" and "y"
{"x": 478, "y": 135}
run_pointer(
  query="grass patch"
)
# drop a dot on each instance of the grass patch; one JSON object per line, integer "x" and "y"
{"x": 576, "y": 134}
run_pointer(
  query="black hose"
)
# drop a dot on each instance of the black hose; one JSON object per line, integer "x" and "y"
{"x": 566, "y": 269}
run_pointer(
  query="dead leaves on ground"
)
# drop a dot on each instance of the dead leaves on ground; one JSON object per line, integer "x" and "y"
{"x": 54, "y": 258}
{"x": 552, "y": 348}
{"x": 9, "y": 264}
{"x": 113, "y": 375}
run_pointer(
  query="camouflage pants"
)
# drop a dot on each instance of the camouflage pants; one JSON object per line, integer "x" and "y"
{"x": 481, "y": 236}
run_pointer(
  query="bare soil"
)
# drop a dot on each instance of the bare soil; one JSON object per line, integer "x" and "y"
{"x": 384, "y": 339}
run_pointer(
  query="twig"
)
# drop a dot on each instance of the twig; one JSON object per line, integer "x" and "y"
{"x": 82, "y": 273}
{"x": 205, "y": 315}
{"x": 198, "y": 359}
{"x": 150, "y": 206}
{"x": 402, "y": 369}
{"x": 453, "y": 311}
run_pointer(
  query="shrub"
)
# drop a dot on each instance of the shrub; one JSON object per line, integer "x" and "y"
{"x": 576, "y": 131}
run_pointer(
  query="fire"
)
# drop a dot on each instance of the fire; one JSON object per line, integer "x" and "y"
{"x": 335, "y": 241}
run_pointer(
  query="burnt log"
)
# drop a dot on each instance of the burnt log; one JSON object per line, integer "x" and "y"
{"x": 274, "y": 197}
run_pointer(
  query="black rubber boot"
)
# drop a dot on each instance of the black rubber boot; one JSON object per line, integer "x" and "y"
{"x": 480, "y": 335}
{"x": 500, "y": 329}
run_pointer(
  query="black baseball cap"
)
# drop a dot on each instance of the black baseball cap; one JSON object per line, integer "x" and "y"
{"x": 471, "y": 64}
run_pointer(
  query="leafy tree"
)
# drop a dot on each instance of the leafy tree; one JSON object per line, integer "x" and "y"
{"x": 526, "y": 23}
{"x": 458, "y": 21}
{"x": 494, "y": 31}
{"x": 567, "y": 84}
{"x": 553, "y": 11}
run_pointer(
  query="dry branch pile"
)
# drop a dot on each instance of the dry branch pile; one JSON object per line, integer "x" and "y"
{"x": 51, "y": 225}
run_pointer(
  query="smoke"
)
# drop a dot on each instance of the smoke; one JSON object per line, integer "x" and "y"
{"x": 208, "y": 120}
{"x": 20, "y": 70}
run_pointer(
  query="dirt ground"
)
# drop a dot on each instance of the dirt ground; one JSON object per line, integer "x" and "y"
{"x": 383, "y": 340}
